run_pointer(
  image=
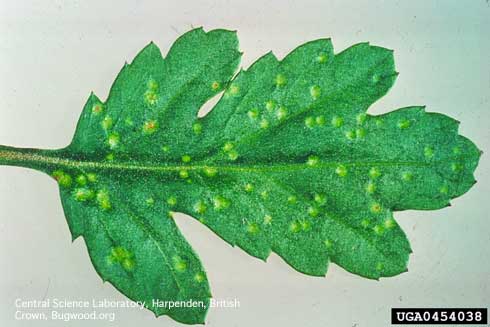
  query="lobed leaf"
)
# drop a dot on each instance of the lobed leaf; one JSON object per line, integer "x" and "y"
{"x": 288, "y": 161}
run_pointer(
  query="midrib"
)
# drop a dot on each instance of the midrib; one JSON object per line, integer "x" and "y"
{"x": 32, "y": 159}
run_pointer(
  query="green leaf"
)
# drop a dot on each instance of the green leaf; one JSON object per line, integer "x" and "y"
{"x": 288, "y": 161}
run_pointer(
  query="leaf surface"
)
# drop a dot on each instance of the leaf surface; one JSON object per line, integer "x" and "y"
{"x": 288, "y": 161}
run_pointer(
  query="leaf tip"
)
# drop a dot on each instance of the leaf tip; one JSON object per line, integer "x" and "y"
{"x": 272, "y": 55}
{"x": 151, "y": 44}
{"x": 266, "y": 255}
{"x": 92, "y": 95}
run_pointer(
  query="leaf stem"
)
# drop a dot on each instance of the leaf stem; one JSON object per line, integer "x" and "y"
{"x": 24, "y": 157}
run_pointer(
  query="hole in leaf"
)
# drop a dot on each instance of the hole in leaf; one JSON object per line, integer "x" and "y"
{"x": 206, "y": 108}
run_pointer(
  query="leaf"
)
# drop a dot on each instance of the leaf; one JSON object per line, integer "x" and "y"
{"x": 288, "y": 161}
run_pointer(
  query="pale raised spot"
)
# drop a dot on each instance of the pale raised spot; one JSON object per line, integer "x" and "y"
{"x": 150, "y": 127}
{"x": 122, "y": 256}
{"x": 292, "y": 199}
{"x": 183, "y": 173}
{"x": 350, "y": 134}
{"x": 444, "y": 189}
{"x": 310, "y": 122}
{"x": 83, "y": 194}
{"x": 150, "y": 201}
{"x": 110, "y": 157}
{"x": 220, "y": 202}
{"x": 233, "y": 155}
{"x": 305, "y": 225}
{"x": 128, "y": 264}
{"x": 172, "y": 201}
{"x": 152, "y": 84}
{"x": 253, "y": 113}
{"x": 407, "y": 176}
{"x": 379, "y": 266}
{"x": 280, "y": 80}
{"x": 103, "y": 200}
{"x": 456, "y": 166}
{"x": 378, "y": 229}
{"x": 249, "y": 187}
{"x": 374, "y": 173}
{"x": 106, "y": 123}
{"x": 389, "y": 223}
{"x": 313, "y": 161}
{"x": 253, "y": 228}
{"x": 281, "y": 113}
{"x": 210, "y": 171}
{"x": 62, "y": 178}
{"x": 375, "y": 78}
{"x": 197, "y": 128}
{"x": 267, "y": 220}
{"x": 320, "y": 198}
{"x": 361, "y": 118}
{"x": 97, "y": 108}
{"x": 186, "y": 158}
{"x": 199, "y": 277}
{"x": 341, "y": 170}
{"x": 428, "y": 152}
{"x": 179, "y": 264}
{"x": 151, "y": 97}
{"x": 456, "y": 150}
{"x": 379, "y": 122}
{"x": 92, "y": 177}
{"x": 403, "y": 124}
{"x": 365, "y": 223}
{"x": 270, "y": 105}
{"x": 264, "y": 123}
{"x": 113, "y": 140}
{"x": 128, "y": 121}
{"x": 215, "y": 85}
{"x": 200, "y": 207}
{"x": 320, "y": 120}
{"x": 313, "y": 211}
{"x": 234, "y": 89}
{"x": 328, "y": 243}
{"x": 294, "y": 227}
{"x": 375, "y": 208}
{"x": 370, "y": 187}
{"x": 165, "y": 148}
{"x": 315, "y": 92}
{"x": 322, "y": 58}
{"x": 81, "y": 180}
{"x": 264, "y": 195}
{"x": 228, "y": 146}
{"x": 337, "y": 121}
{"x": 360, "y": 133}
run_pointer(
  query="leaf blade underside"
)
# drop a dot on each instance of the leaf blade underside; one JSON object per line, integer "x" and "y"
{"x": 288, "y": 161}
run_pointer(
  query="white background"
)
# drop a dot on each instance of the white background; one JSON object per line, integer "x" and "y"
{"x": 53, "y": 53}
